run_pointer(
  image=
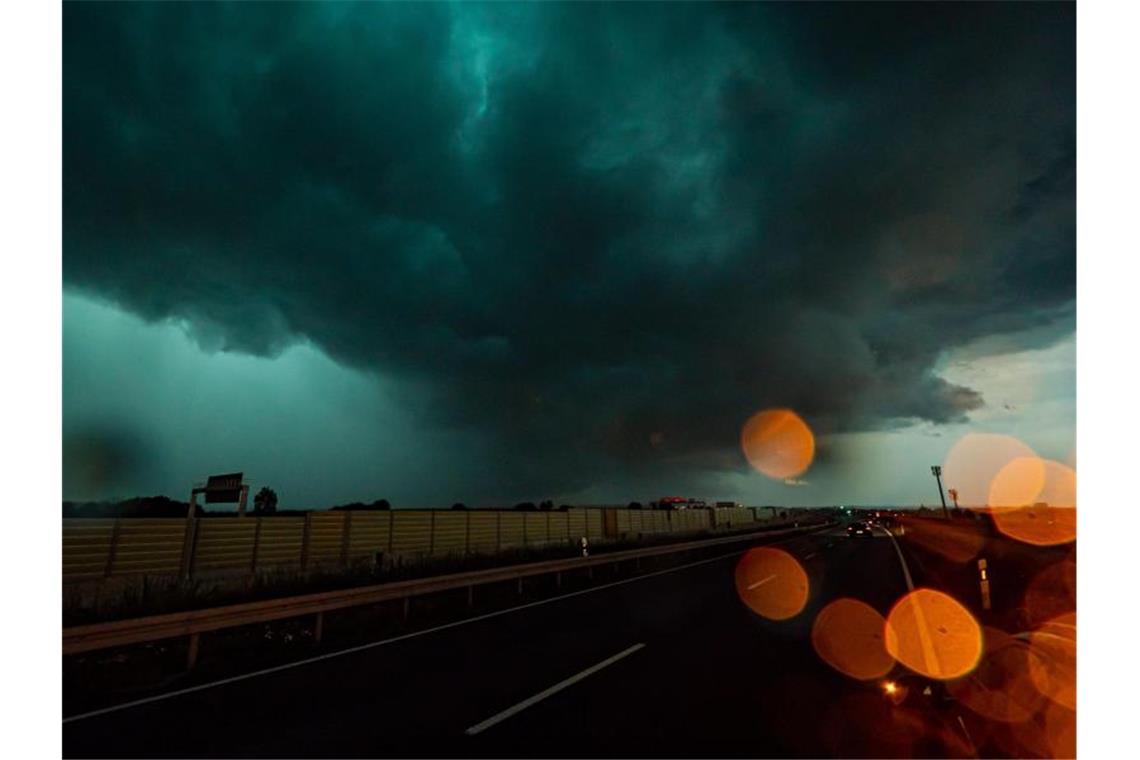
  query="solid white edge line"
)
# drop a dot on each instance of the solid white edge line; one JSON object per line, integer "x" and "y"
{"x": 902, "y": 560}
{"x": 500, "y": 717}
{"x": 402, "y": 637}
{"x": 969, "y": 738}
{"x": 929, "y": 653}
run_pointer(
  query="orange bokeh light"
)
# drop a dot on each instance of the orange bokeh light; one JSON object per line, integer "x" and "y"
{"x": 1055, "y": 671}
{"x": 1060, "y": 730}
{"x": 778, "y": 443}
{"x": 1038, "y": 525}
{"x": 1028, "y": 480}
{"x": 772, "y": 583}
{"x": 933, "y": 634}
{"x": 1001, "y": 688}
{"x": 1018, "y": 483}
{"x": 974, "y": 462}
{"x": 1051, "y": 593}
{"x": 848, "y": 636}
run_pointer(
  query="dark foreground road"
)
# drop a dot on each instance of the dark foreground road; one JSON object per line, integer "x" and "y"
{"x": 671, "y": 665}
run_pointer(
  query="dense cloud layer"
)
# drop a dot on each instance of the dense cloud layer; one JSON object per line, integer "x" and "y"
{"x": 602, "y": 234}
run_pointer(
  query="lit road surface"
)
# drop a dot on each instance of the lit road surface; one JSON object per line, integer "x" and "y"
{"x": 667, "y": 665}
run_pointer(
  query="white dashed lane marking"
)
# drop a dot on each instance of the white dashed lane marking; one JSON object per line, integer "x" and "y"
{"x": 761, "y": 582}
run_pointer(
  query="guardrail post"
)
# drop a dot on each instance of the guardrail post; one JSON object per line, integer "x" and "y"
{"x": 345, "y": 539}
{"x": 470, "y": 596}
{"x": 113, "y": 547}
{"x": 305, "y": 540}
{"x": 192, "y": 651}
{"x": 467, "y": 535}
{"x": 407, "y": 607}
{"x": 256, "y": 545}
{"x": 319, "y": 628}
{"x": 431, "y": 534}
{"x": 558, "y": 580}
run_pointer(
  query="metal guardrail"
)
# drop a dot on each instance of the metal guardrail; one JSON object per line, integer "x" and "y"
{"x": 97, "y": 636}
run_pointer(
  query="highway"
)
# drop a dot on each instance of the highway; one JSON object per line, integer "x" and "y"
{"x": 671, "y": 664}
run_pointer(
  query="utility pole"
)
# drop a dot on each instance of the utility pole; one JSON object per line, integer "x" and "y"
{"x": 936, "y": 470}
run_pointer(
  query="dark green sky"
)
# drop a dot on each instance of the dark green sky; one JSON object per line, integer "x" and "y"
{"x": 439, "y": 252}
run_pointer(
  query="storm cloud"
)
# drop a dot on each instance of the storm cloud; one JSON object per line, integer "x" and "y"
{"x": 601, "y": 235}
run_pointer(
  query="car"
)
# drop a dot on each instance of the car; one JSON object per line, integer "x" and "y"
{"x": 859, "y": 529}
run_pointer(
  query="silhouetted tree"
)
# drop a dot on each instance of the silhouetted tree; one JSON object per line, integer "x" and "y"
{"x": 783, "y": 515}
{"x": 381, "y": 504}
{"x": 546, "y": 506}
{"x": 526, "y": 506}
{"x": 635, "y": 505}
{"x": 564, "y": 508}
{"x": 265, "y": 502}
{"x": 459, "y": 505}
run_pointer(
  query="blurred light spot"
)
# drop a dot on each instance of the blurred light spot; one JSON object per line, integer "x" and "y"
{"x": 933, "y": 634}
{"x": 772, "y": 583}
{"x": 1051, "y": 593}
{"x": 1060, "y": 489}
{"x": 1060, "y": 730}
{"x": 1055, "y": 671}
{"x": 778, "y": 443}
{"x": 895, "y": 691}
{"x": 1000, "y": 688}
{"x": 1039, "y": 525}
{"x": 848, "y": 636}
{"x": 1018, "y": 483}
{"x": 974, "y": 462}
{"x": 1034, "y": 500}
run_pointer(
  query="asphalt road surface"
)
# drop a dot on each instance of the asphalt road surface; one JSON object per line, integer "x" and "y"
{"x": 667, "y": 665}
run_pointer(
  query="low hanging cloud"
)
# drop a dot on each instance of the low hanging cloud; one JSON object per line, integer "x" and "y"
{"x": 603, "y": 235}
